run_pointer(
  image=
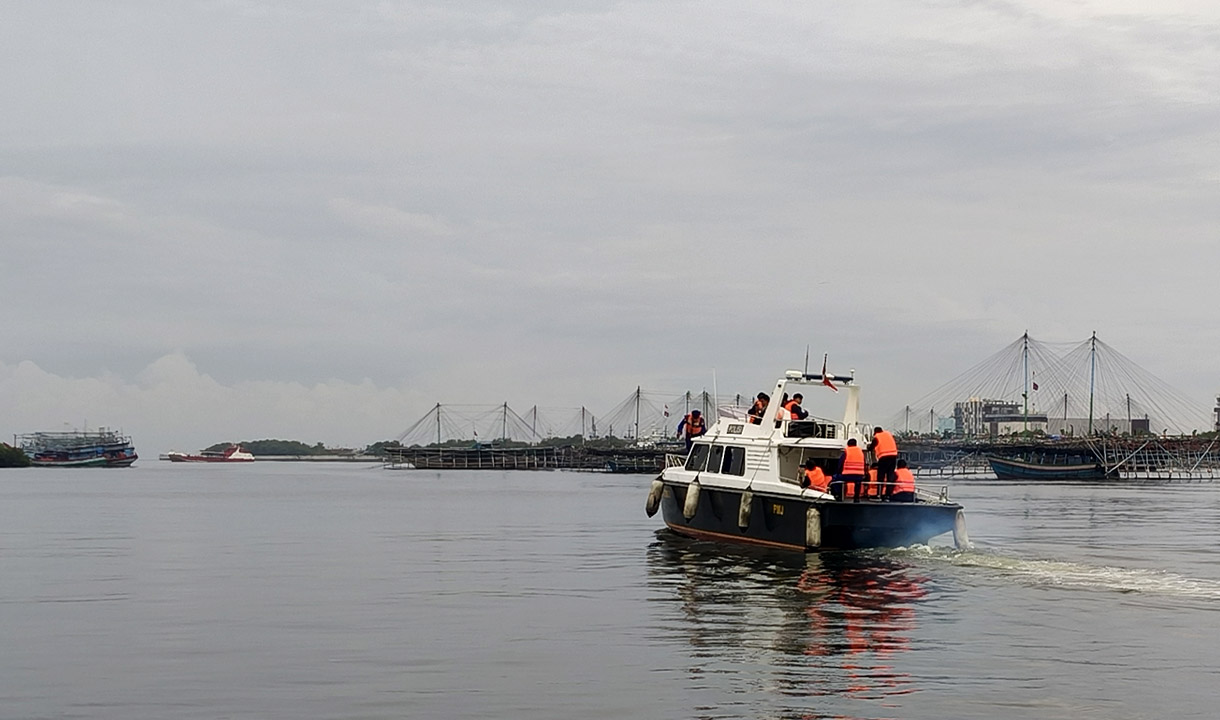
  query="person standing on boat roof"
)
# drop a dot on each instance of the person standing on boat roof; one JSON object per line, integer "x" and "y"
{"x": 758, "y": 408}
{"x": 904, "y": 491}
{"x": 850, "y": 477}
{"x": 693, "y": 425}
{"x": 885, "y": 452}
{"x": 793, "y": 406}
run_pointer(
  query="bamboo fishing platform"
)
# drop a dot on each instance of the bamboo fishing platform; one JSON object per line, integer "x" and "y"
{"x": 574, "y": 457}
{"x": 1145, "y": 457}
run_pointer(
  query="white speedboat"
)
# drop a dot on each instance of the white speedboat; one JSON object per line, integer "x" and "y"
{"x": 741, "y": 483}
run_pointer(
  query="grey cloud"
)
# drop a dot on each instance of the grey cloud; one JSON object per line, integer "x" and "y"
{"x": 558, "y": 201}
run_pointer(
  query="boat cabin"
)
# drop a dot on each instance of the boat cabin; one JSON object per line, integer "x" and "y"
{"x": 776, "y": 447}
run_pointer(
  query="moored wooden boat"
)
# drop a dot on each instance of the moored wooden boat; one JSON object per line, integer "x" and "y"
{"x": 1014, "y": 469}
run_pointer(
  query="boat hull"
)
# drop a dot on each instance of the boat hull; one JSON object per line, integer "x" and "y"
{"x": 85, "y": 462}
{"x": 782, "y": 521}
{"x": 200, "y": 458}
{"x": 1010, "y": 469}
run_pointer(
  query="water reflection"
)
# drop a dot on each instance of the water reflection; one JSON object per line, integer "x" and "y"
{"x": 815, "y": 625}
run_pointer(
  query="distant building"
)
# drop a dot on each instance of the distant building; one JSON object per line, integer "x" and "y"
{"x": 979, "y": 417}
{"x": 1218, "y": 412}
{"x": 1101, "y": 424}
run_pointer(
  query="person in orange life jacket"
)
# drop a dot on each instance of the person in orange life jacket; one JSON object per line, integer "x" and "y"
{"x": 793, "y": 406}
{"x": 782, "y": 412}
{"x": 692, "y": 426}
{"x": 871, "y": 489}
{"x": 885, "y": 452}
{"x": 758, "y": 408}
{"x": 813, "y": 477}
{"x": 850, "y": 476}
{"x": 904, "y": 490}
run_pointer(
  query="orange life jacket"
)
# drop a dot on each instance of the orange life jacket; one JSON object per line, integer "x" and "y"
{"x": 853, "y": 460}
{"x": 872, "y": 489}
{"x": 906, "y": 480}
{"x": 756, "y": 412}
{"x": 694, "y": 425}
{"x": 788, "y": 406}
{"x": 885, "y": 446}
{"x": 817, "y": 479}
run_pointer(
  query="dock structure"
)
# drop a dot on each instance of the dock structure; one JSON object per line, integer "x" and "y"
{"x": 620, "y": 460}
{"x": 1140, "y": 458}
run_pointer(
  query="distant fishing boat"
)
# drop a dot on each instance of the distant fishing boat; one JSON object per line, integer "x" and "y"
{"x": 1014, "y": 469}
{"x": 100, "y": 448}
{"x": 233, "y": 453}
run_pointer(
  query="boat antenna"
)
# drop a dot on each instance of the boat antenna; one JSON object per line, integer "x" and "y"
{"x": 806, "y": 359}
{"x": 716, "y": 395}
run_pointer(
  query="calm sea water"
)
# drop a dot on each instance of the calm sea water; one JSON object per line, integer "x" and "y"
{"x": 302, "y": 590}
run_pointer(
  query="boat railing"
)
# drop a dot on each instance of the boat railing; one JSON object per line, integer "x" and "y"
{"x": 674, "y": 460}
{"x": 813, "y": 429}
{"x": 925, "y": 495}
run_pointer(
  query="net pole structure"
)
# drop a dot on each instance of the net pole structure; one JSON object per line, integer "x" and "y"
{"x": 1025, "y": 395}
{"x": 637, "y": 412}
{"x": 1092, "y": 376}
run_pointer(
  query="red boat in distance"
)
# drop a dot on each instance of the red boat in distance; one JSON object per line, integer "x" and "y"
{"x": 233, "y": 453}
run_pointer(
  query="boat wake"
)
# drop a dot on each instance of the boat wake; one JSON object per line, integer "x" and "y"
{"x": 1071, "y": 575}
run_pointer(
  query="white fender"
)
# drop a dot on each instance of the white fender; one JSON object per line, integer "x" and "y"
{"x": 960, "y": 538}
{"x": 692, "y": 500}
{"x": 654, "y": 497}
{"x": 743, "y": 512}
{"x": 813, "y": 528}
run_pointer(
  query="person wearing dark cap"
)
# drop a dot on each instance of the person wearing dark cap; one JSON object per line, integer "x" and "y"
{"x": 692, "y": 426}
{"x": 793, "y": 406}
{"x": 758, "y": 408}
{"x": 849, "y": 481}
{"x": 813, "y": 477}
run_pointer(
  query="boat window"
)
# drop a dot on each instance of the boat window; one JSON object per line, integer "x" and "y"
{"x": 714, "y": 458}
{"x": 698, "y": 457}
{"x": 734, "y": 461}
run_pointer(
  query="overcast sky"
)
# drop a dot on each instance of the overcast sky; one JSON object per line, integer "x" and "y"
{"x": 313, "y": 220}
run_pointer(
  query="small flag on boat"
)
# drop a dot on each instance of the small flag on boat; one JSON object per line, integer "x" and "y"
{"x": 666, "y": 411}
{"x": 1035, "y": 386}
{"x": 825, "y": 379}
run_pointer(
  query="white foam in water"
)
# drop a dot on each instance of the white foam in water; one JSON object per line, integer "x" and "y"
{"x": 1076, "y": 575}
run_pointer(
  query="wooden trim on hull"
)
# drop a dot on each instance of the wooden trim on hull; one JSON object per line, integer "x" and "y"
{"x": 711, "y": 535}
